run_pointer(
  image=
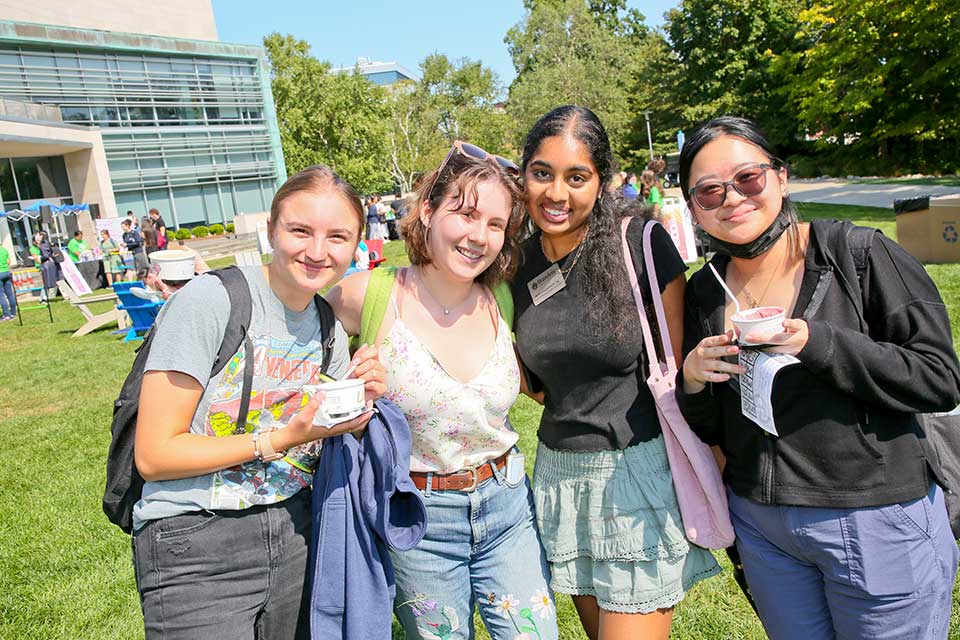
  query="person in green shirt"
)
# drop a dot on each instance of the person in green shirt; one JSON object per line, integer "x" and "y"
{"x": 77, "y": 246}
{"x": 8, "y": 299}
{"x": 651, "y": 192}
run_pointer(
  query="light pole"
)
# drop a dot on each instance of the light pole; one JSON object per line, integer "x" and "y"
{"x": 646, "y": 114}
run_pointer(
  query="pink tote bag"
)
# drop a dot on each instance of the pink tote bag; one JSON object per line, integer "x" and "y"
{"x": 696, "y": 478}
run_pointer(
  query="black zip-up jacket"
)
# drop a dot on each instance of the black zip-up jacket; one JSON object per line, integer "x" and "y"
{"x": 846, "y": 415}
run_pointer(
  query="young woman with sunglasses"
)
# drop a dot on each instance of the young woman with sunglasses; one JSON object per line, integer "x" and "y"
{"x": 451, "y": 368}
{"x": 840, "y": 525}
{"x": 221, "y": 532}
{"x": 604, "y": 496}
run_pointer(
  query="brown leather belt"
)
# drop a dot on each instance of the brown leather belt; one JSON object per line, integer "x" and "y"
{"x": 466, "y": 480}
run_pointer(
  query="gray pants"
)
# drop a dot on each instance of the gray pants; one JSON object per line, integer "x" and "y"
{"x": 141, "y": 263}
{"x": 228, "y": 574}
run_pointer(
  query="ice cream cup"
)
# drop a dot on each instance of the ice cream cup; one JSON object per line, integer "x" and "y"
{"x": 761, "y": 320}
{"x": 342, "y": 401}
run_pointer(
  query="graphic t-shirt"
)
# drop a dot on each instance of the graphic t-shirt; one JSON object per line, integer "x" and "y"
{"x": 287, "y": 354}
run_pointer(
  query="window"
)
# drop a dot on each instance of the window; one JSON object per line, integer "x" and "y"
{"x": 28, "y": 178}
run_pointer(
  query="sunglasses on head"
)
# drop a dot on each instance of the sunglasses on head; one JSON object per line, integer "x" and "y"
{"x": 748, "y": 181}
{"x": 476, "y": 153}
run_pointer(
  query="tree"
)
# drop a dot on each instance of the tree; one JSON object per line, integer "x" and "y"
{"x": 324, "y": 118}
{"x": 575, "y": 52}
{"x": 883, "y": 75}
{"x": 452, "y": 101}
{"x": 724, "y": 49}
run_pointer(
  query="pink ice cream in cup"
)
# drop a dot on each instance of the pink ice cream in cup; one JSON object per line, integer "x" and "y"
{"x": 761, "y": 320}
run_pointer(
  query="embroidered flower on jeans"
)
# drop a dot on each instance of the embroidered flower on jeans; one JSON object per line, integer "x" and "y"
{"x": 542, "y": 604}
{"x": 508, "y": 605}
{"x": 420, "y": 604}
{"x": 441, "y": 630}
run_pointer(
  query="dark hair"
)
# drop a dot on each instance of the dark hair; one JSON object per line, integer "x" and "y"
{"x": 602, "y": 258}
{"x": 750, "y": 132}
{"x": 456, "y": 179}
{"x": 127, "y": 223}
{"x": 77, "y": 234}
{"x": 317, "y": 179}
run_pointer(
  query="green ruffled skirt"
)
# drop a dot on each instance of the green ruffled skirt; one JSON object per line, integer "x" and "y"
{"x": 611, "y": 527}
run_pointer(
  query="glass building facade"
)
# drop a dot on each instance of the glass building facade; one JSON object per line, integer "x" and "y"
{"x": 188, "y": 126}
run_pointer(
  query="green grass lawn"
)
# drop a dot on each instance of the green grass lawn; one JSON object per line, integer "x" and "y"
{"x": 65, "y": 572}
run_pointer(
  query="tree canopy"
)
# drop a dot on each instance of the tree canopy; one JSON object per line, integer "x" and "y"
{"x": 839, "y": 86}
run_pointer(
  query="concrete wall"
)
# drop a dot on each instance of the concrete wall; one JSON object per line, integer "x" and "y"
{"x": 82, "y": 151}
{"x": 191, "y": 19}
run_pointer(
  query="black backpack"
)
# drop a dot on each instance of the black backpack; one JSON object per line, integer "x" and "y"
{"x": 124, "y": 483}
{"x": 941, "y": 431}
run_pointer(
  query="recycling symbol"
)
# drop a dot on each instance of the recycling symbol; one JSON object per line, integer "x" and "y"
{"x": 950, "y": 233}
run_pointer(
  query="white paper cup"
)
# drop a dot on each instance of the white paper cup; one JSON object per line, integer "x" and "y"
{"x": 342, "y": 400}
{"x": 763, "y": 320}
{"x": 174, "y": 265}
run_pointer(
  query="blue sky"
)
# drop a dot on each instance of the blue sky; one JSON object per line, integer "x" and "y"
{"x": 406, "y": 32}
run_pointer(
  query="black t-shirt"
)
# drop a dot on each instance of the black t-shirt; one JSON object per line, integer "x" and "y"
{"x": 596, "y": 397}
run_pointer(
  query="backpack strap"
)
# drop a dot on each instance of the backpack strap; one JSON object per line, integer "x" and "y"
{"x": 377, "y": 297}
{"x": 236, "y": 334}
{"x": 504, "y": 298}
{"x": 375, "y": 301}
{"x": 328, "y": 333}
{"x": 859, "y": 242}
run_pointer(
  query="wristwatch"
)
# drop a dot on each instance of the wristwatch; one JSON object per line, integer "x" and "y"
{"x": 262, "y": 449}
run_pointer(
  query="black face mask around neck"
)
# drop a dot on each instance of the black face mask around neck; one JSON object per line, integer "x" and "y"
{"x": 759, "y": 245}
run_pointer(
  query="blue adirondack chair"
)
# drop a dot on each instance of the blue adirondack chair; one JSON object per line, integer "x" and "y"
{"x": 142, "y": 313}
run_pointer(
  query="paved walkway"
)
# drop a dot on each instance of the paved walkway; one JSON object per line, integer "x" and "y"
{"x": 866, "y": 194}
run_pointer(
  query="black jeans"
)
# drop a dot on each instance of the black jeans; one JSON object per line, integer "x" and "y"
{"x": 226, "y": 574}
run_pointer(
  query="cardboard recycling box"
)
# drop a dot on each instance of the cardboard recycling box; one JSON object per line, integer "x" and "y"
{"x": 929, "y": 228}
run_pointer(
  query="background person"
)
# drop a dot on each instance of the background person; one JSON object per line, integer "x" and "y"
{"x": 451, "y": 369}
{"x": 630, "y": 187}
{"x": 222, "y": 531}
{"x": 650, "y": 191}
{"x": 840, "y": 527}
{"x": 160, "y": 226}
{"x": 133, "y": 242}
{"x": 149, "y": 235}
{"x": 112, "y": 262}
{"x": 8, "y": 297}
{"x": 604, "y": 494}
{"x": 43, "y": 256}
{"x": 76, "y": 246}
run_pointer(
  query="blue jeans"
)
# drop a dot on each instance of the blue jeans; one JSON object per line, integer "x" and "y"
{"x": 480, "y": 548}
{"x": 873, "y": 572}
{"x": 8, "y": 299}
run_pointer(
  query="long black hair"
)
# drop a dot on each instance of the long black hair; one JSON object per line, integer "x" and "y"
{"x": 749, "y": 131}
{"x": 602, "y": 258}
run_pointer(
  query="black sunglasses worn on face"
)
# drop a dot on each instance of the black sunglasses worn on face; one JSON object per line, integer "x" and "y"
{"x": 749, "y": 181}
{"x": 476, "y": 153}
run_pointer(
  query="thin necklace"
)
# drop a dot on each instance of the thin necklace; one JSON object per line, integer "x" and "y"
{"x": 565, "y": 272}
{"x": 756, "y": 302}
{"x": 426, "y": 287}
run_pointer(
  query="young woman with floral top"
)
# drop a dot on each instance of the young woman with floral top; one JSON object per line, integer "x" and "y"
{"x": 451, "y": 369}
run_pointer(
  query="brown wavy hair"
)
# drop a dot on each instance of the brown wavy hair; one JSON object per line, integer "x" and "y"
{"x": 458, "y": 179}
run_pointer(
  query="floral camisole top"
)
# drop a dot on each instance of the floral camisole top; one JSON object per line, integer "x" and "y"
{"x": 454, "y": 424}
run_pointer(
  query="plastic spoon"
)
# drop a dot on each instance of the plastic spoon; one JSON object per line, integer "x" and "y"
{"x": 725, "y": 287}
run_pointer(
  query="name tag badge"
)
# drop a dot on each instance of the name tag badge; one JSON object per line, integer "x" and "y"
{"x": 546, "y": 284}
{"x": 515, "y": 473}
